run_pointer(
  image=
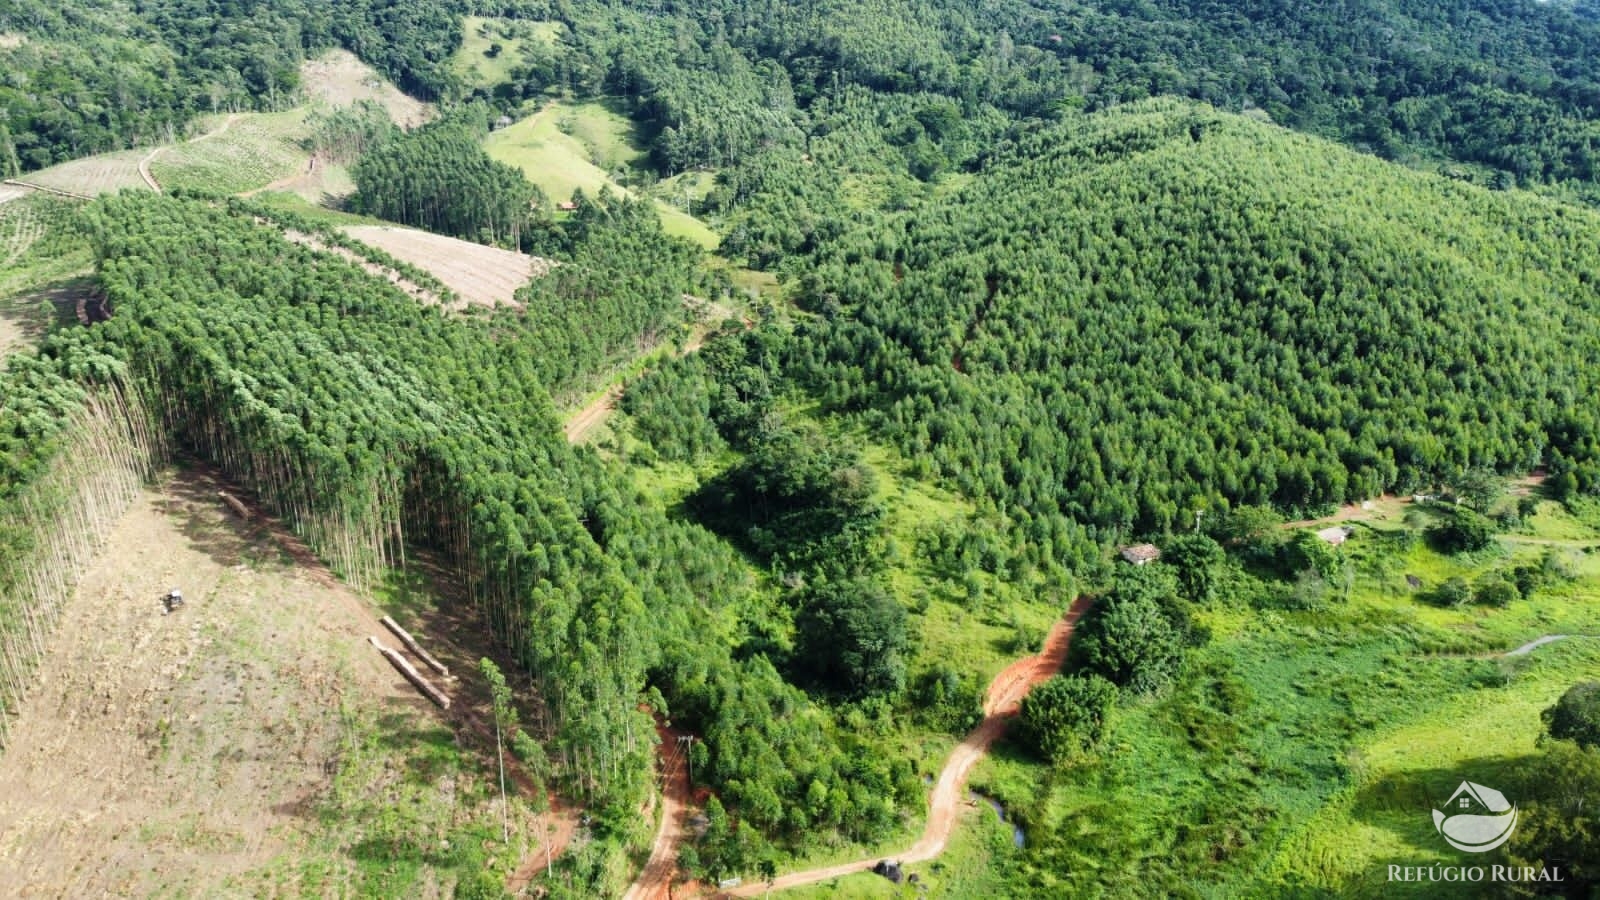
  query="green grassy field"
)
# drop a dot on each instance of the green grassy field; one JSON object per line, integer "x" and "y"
{"x": 1302, "y": 752}
{"x": 557, "y": 149}
{"x": 474, "y": 62}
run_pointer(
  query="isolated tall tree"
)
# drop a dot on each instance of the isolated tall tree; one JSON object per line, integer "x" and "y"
{"x": 505, "y": 719}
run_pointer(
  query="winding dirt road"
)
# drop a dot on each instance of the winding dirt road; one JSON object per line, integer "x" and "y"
{"x": 944, "y": 805}
{"x": 655, "y": 880}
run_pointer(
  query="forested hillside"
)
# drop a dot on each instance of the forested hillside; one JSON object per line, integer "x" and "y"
{"x": 1506, "y": 85}
{"x": 94, "y": 76}
{"x": 1161, "y": 310}
{"x": 379, "y": 428}
{"x": 997, "y": 289}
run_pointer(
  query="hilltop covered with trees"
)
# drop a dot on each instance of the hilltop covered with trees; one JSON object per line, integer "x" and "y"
{"x": 1161, "y": 310}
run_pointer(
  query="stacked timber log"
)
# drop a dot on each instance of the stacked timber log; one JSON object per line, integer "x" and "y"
{"x": 412, "y": 675}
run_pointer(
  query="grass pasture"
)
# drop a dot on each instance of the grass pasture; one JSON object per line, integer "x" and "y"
{"x": 562, "y": 148}
{"x": 555, "y": 160}
{"x": 476, "y": 62}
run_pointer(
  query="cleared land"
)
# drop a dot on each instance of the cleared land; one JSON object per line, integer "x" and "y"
{"x": 237, "y": 154}
{"x": 93, "y": 175}
{"x": 557, "y": 149}
{"x": 485, "y": 276}
{"x": 320, "y": 183}
{"x": 339, "y": 79}
{"x": 250, "y": 743}
{"x": 246, "y": 152}
{"x": 141, "y": 722}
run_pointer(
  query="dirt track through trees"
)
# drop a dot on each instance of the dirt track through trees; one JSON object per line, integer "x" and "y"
{"x": 655, "y": 880}
{"x": 592, "y": 415}
{"x": 1001, "y": 703}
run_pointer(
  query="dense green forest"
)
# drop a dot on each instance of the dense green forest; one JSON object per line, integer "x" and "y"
{"x": 1167, "y": 311}
{"x": 89, "y": 77}
{"x": 439, "y": 178}
{"x": 379, "y": 428}
{"x": 1505, "y": 85}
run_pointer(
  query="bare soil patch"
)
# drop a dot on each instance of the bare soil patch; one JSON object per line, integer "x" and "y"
{"x": 171, "y": 753}
{"x": 339, "y": 79}
{"x": 485, "y": 276}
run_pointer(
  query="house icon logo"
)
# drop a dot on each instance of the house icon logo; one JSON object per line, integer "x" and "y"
{"x": 1476, "y": 819}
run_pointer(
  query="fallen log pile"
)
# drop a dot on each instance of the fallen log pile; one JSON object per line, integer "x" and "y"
{"x": 415, "y": 648}
{"x": 412, "y": 675}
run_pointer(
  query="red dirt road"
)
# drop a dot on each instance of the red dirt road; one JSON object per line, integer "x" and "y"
{"x": 655, "y": 881}
{"x": 944, "y": 806}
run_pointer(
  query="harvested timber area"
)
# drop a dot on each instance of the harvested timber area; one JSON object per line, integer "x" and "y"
{"x": 140, "y": 720}
{"x": 484, "y": 276}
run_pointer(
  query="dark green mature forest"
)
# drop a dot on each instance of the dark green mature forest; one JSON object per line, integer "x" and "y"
{"x": 89, "y": 77}
{"x": 438, "y": 178}
{"x": 1506, "y": 85}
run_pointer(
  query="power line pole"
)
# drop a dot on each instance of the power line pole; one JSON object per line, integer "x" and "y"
{"x": 685, "y": 745}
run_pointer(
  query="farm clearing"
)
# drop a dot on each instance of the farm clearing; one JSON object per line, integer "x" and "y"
{"x": 246, "y": 152}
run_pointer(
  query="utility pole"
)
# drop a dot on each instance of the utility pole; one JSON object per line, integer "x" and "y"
{"x": 685, "y": 746}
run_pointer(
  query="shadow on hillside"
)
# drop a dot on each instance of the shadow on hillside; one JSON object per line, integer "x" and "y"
{"x": 55, "y": 305}
{"x": 208, "y": 524}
